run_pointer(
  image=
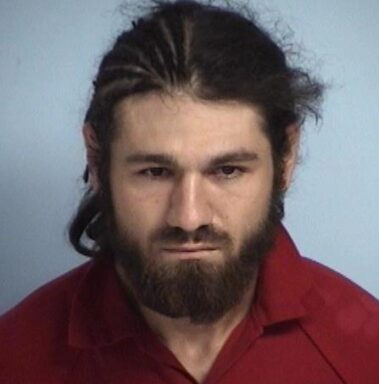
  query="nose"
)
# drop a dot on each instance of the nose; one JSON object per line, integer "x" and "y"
{"x": 189, "y": 206}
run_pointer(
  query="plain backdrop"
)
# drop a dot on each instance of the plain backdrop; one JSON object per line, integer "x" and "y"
{"x": 49, "y": 52}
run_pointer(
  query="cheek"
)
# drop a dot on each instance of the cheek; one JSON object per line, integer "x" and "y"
{"x": 135, "y": 214}
{"x": 244, "y": 213}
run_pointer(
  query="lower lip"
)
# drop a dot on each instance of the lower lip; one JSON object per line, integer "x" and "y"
{"x": 182, "y": 254}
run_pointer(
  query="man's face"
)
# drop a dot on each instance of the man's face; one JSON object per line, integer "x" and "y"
{"x": 191, "y": 187}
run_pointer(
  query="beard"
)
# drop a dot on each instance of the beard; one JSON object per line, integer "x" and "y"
{"x": 200, "y": 290}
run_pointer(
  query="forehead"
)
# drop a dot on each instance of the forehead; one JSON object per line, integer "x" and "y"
{"x": 185, "y": 126}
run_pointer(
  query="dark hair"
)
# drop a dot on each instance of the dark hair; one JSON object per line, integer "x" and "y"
{"x": 212, "y": 53}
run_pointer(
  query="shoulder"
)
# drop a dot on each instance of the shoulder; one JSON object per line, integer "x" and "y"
{"x": 351, "y": 303}
{"x": 36, "y": 329}
{"x": 344, "y": 324}
{"x": 51, "y": 297}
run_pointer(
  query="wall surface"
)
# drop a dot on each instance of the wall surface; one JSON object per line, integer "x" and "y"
{"x": 49, "y": 52}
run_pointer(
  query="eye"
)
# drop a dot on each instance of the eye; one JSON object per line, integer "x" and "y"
{"x": 156, "y": 172}
{"x": 228, "y": 171}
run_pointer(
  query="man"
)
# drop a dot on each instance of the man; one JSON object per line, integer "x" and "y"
{"x": 192, "y": 135}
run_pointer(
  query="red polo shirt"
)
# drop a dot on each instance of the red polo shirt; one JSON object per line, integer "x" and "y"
{"x": 307, "y": 324}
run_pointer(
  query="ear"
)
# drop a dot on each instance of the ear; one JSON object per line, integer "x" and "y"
{"x": 92, "y": 150}
{"x": 290, "y": 160}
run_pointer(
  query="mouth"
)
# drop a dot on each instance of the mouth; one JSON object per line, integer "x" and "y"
{"x": 189, "y": 251}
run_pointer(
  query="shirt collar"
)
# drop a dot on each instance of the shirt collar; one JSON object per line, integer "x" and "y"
{"x": 101, "y": 314}
{"x": 285, "y": 288}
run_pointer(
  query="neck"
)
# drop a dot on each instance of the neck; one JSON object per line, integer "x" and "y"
{"x": 196, "y": 346}
{"x": 170, "y": 330}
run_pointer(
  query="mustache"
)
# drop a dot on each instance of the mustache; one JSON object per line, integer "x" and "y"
{"x": 177, "y": 236}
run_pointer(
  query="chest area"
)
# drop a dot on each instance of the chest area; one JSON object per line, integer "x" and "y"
{"x": 278, "y": 356}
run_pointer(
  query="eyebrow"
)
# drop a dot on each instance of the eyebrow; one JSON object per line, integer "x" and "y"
{"x": 236, "y": 156}
{"x": 151, "y": 158}
{"x": 168, "y": 160}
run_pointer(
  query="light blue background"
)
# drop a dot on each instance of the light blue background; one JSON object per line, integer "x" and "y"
{"x": 49, "y": 52}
